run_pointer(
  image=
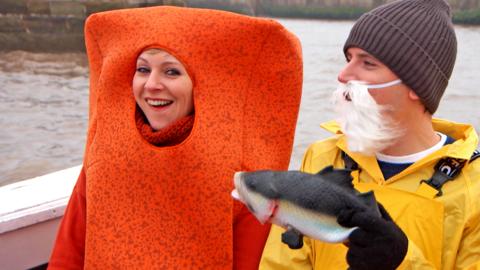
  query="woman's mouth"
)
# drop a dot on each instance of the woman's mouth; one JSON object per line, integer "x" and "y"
{"x": 157, "y": 103}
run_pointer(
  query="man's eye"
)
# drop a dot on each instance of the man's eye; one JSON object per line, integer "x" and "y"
{"x": 172, "y": 72}
{"x": 370, "y": 64}
{"x": 143, "y": 70}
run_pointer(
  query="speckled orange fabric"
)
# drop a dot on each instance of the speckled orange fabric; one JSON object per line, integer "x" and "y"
{"x": 170, "y": 207}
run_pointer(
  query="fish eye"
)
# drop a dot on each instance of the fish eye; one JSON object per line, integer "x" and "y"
{"x": 251, "y": 184}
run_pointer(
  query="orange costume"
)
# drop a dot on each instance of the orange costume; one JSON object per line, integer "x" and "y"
{"x": 139, "y": 206}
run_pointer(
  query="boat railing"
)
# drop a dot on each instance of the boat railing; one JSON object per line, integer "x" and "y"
{"x": 30, "y": 213}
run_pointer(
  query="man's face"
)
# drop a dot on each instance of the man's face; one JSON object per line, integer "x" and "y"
{"x": 371, "y": 118}
{"x": 361, "y": 66}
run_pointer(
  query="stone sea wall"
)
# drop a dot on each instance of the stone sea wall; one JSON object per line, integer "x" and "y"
{"x": 50, "y": 25}
{"x": 57, "y": 25}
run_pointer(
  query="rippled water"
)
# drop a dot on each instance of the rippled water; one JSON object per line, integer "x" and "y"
{"x": 44, "y": 98}
{"x": 43, "y": 106}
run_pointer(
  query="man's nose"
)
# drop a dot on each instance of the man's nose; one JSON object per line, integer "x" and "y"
{"x": 347, "y": 73}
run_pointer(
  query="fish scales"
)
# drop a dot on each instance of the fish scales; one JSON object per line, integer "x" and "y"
{"x": 302, "y": 202}
{"x": 310, "y": 191}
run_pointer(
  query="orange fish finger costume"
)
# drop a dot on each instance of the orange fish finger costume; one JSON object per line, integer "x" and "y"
{"x": 139, "y": 206}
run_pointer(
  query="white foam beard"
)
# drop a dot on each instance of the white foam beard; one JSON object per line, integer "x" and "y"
{"x": 365, "y": 123}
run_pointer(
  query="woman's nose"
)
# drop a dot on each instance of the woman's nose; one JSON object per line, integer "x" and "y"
{"x": 154, "y": 82}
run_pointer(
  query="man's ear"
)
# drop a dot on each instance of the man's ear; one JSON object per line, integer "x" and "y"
{"x": 412, "y": 95}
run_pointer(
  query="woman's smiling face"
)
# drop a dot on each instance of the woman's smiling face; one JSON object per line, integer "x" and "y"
{"x": 162, "y": 88}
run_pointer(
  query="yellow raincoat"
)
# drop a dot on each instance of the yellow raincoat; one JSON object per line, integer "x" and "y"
{"x": 443, "y": 232}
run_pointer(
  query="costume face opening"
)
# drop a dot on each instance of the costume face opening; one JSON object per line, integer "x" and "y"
{"x": 162, "y": 88}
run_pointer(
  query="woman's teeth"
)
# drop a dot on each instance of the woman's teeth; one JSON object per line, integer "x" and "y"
{"x": 158, "y": 102}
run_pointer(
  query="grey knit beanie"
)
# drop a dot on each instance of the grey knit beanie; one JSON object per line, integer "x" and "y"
{"x": 415, "y": 39}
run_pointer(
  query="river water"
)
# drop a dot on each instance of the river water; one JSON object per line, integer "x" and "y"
{"x": 44, "y": 98}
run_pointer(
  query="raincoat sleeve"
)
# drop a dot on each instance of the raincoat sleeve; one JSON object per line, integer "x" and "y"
{"x": 468, "y": 254}
{"x": 69, "y": 249}
{"x": 414, "y": 259}
{"x": 278, "y": 256}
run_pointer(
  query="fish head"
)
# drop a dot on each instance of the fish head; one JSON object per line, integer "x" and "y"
{"x": 249, "y": 187}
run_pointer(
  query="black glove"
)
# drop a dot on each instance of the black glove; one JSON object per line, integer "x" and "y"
{"x": 378, "y": 243}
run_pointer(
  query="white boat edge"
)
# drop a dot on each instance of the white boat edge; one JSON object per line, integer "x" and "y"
{"x": 30, "y": 213}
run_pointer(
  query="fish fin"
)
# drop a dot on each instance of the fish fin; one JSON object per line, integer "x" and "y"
{"x": 293, "y": 238}
{"x": 369, "y": 199}
{"x": 340, "y": 177}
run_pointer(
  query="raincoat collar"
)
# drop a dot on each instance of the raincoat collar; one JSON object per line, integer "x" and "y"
{"x": 465, "y": 136}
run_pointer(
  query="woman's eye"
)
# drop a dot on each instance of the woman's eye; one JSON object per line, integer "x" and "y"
{"x": 172, "y": 72}
{"x": 143, "y": 70}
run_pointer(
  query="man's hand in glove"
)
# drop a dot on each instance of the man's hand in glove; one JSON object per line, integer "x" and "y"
{"x": 378, "y": 243}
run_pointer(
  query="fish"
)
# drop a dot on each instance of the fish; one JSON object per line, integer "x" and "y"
{"x": 303, "y": 203}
